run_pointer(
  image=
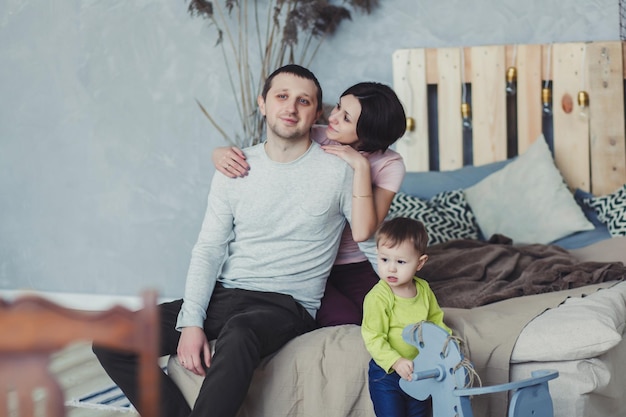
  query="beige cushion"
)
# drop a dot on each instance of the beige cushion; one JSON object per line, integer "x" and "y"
{"x": 580, "y": 328}
{"x": 527, "y": 200}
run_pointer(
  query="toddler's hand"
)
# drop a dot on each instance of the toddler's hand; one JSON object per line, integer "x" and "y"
{"x": 404, "y": 368}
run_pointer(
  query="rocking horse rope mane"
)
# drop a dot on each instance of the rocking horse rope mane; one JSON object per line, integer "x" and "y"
{"x": 465, "y": 363}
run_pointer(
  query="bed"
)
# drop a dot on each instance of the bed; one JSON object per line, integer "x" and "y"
{"x": 526, "y": 215}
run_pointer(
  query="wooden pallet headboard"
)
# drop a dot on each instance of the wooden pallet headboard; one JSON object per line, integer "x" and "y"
{"x": 589, "y": 149}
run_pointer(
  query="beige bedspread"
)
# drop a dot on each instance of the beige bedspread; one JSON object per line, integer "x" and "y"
{"x": 324, "y": 372}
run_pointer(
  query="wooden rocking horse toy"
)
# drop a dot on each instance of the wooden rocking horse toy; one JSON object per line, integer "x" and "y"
{"x": 442, "y": 372}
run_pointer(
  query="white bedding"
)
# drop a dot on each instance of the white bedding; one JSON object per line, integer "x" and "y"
{"x": 587, "y": 387}
{"x": 580, "y": 328}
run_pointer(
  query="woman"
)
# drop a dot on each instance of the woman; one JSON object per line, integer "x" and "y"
{"x": 367, "y": 119}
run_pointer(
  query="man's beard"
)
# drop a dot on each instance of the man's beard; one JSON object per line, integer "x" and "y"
{"x": 287, "y": 133}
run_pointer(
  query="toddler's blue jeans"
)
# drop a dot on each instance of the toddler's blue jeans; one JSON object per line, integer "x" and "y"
{"x": 388, "y": 398}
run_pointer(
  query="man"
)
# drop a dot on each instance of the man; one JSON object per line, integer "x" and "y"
{"x": 258, "y": 270}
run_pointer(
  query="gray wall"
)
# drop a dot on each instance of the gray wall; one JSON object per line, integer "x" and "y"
{"x": 104, "y": 155}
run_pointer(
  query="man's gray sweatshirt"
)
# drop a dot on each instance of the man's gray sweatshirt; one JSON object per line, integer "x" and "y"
{"x": 277, "y": 229}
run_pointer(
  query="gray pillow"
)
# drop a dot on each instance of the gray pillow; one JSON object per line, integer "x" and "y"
{"x": 527, "y": 200}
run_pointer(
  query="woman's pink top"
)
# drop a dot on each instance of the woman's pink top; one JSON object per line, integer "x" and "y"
{"x": 387, "y": 172}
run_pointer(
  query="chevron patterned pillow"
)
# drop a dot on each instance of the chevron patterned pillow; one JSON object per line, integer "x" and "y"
{"x": 611, "y": 210}
{"x": 446, "y": 215}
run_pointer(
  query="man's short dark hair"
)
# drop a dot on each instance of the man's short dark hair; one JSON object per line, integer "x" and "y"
{"x": 298, "y": 71}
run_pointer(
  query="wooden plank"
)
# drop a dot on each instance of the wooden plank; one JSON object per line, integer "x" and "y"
{"x": 432, "y": 73}
{"x": 606, "y": 92}
{"x": 624, "y": 58}
{"x": 409, "y": 80}
{"x": 546, "y": 70}
{"x": 432, "y": 76}
{"x": 449, "y": 108}
{"x": 489, "y": 104}
{"x": 571, "y": 129}
{"x": 529, "y": 83}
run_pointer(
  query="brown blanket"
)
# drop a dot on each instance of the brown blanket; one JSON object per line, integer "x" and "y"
{"x": 470, "y": 273}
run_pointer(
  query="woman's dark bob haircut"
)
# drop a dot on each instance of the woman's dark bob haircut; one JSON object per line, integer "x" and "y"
{"x": 382, "y": 120}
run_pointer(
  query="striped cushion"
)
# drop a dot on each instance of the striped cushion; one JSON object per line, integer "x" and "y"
{"x": 611, "y": 210}
{"x": 446, "y": 215}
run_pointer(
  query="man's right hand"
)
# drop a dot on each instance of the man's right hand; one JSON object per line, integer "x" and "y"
{"x": 193, "y": 347}
{"x": 230, "y": 161}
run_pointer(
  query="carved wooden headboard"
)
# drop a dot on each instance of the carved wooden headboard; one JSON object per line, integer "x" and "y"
{"x": 588, "y": 142}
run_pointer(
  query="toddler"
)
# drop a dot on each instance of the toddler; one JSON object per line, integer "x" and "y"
{"x": 399, "y": 299}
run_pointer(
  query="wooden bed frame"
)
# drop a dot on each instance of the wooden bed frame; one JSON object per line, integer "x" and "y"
{"x": 589, "y": 143}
